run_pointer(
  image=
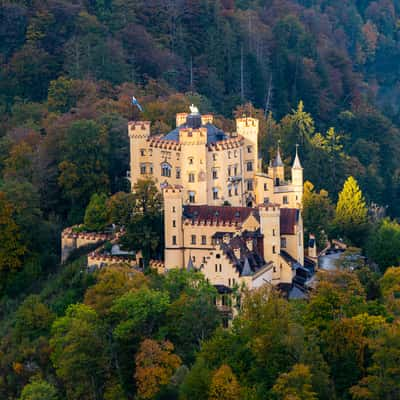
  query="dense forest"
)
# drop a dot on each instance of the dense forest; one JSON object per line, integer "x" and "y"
{"x": 323, "y": 74}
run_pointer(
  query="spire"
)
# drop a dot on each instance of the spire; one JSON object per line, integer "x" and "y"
{"x": 190, "y": 266}
{"x": 296, "y": 162}
{"x": 278, "y": 160}
{"x": 246, "y": 271}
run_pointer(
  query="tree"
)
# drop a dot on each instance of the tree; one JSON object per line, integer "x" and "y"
{"x": 148, "y": 199}
{"x": 111, "y": 284}
{"x": 33, "y": 319}
{"x": 197, "y": 382}
{"x": 390, "y": 286}
{"x": 295, "y": 385}
{"x": 351, "y": 212}
{"x": 121, "y": 206}
{"x": 155, "y": 366}
{"x": 63, "y": 94}
{"x": 383, "y": 244}
{"x": 192, "y": 319}
{"x": 145, "y": 230}
{"x": 83, "y": 171}
{"x": 140, "y": 313}
{"x": 39, "y": 390}
{"x": 79, "y": 352}
{"x": 12, "y": 250}
{"x": 382, "y": 381}
{"x": 317, "y": 213}
{"x": 97, "y": 213}
{"x": 224, "y": 385}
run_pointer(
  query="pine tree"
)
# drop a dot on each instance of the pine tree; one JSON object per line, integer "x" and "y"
{"x": 351, "y": 212}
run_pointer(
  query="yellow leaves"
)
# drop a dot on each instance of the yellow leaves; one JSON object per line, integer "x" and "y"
{"x": 18, "y": 368}
{"x": 155, "y": 365}
{"x": 295, "y": 385}
{"x": 224, "y": 385}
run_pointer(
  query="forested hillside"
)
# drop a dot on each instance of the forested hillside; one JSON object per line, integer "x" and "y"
{"x": 324, "y": 74}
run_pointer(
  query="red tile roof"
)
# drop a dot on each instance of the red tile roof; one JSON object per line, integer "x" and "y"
{"x": 288, "y": 220}
{"x": 218, "y": 214}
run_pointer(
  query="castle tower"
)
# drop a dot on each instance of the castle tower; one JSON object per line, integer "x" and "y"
{"x": 173, "y": 228}
{"x": 297, "y": 178}
{"x": 139, "y": 132}
{"x": 270, "y": 228}
{"x": 248, "y": 128}
{"x": 193, "y": 140}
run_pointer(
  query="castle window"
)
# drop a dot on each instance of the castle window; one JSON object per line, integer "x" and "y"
{"x": 203, "y": 239}
{"x": 229, "y": 154}
{"x": 235, "y": 170}
{"x": 178, "y": 156}
{"x": 233, "y": 281}
{"x": 174, "y": 240}
{"x": 215, "y": 193}
{"x": 236, "y": 190}
{"x": 173, "y": 209}
{"x": 265, "y": 186}
{"x": 285, "y": 200}
{"x": 249, "y": 166}
{"x": 191, "y": 160}
{"x": 220, "y": 267}
{"x": 193, "y": 239}
{"x": 166, "y": 170}
{"x": 283, "y": 243}
{"x": 250, "y": 185}
{"x": 178, "y": 173}
{"x": 230, "y": 190}
{"x": 249, "y": 149}
{"x": 191, "y": 197}
{"x": 216, "y": 267}
{"x": 273, "y": 250}
{"x": 274, "y": 269}
{"x": 151, "y": 168}
{"x": 191, "y": 177}
{"x": 218, "y": 255}
{"x": 150, "y": 151}
{"x": 143, "y": 169}
{"x": 229, "y": 171}
{"x": 266, "y": 200}
{"x": 235, "y": 153}
{"x": 204, "y": 259}
{"x": 229, "y": 282}
{"x": 214, "y": 157}
{"x": 215, "y": 174}
{"x": 273, "y": 232}
{"x": 142, "y": 152}
{"x": 174, "y": 224}
{"x": 194, "y": 258}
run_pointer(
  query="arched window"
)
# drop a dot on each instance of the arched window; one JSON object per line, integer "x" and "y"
{"x": 166, "y": 169}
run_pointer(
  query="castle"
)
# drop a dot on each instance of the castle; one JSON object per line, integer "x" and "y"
{"x": 223, "y": 216}
{"x": 212, "y": 167}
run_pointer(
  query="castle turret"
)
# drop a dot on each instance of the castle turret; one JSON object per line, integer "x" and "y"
{"x": 173, "y": 228}
{"x": 297, "y": 178}
{"x": 278, "y": 169}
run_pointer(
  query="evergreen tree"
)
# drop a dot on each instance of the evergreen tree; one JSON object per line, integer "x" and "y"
{"x": 351, "y": 212}
{"x": 96, "y": 214}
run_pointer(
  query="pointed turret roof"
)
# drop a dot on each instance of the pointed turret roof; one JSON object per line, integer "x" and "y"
{"x": 278, "y": 160}
{"x": 246, "y": 271}
{"x": 190, "y": 266}
{"x": 296, "y": 162}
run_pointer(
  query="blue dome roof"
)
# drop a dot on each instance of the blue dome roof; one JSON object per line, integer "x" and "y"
{"x": 213, "y": 133}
